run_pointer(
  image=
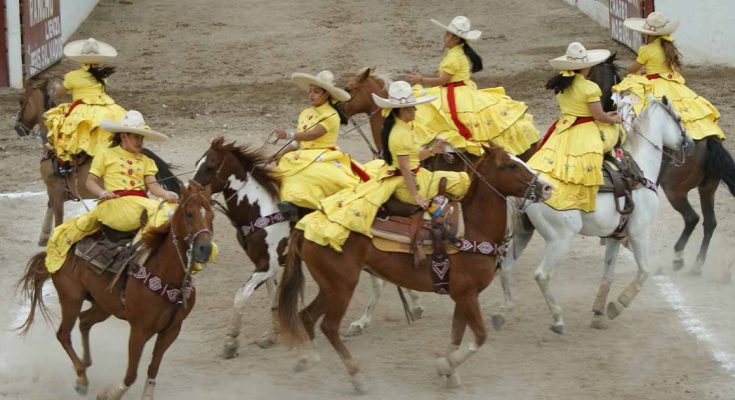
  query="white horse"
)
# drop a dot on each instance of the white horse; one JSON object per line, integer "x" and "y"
{"x": 656, "y": 127}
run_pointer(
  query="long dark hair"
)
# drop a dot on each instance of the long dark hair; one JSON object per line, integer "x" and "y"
{"x": 558, "y": 82}
{"x": 390, "y": 120}
{"x": 475, "y": 58}
{"x": 100, "y": 73}
{"x": 342, "y": 116}
{"x": 673, "y": 57}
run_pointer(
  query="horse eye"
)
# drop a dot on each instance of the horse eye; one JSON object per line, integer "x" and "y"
{"x": 189, "y": 214}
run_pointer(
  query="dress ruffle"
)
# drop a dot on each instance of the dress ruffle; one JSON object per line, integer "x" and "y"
{"x": 80, "y": 131}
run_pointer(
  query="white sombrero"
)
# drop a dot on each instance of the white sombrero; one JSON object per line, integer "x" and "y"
{"x": 324, "y": 80}
{"x": 401, "y": 95}
{"x": 89, "y": 51}
{"x": 460, "y": 26}
{"x": 577, "y": 57}
{"x": 133, "y": 122}
{"x": 655, "y": 24}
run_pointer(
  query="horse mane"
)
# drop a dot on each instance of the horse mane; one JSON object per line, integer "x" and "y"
{"x": 382, "y": 77}
{"x": 252, "y": 161}
{"x": 154, "y": 238}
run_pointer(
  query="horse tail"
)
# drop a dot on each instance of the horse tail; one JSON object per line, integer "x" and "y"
{"x": 291, "y": 290}
{"x": 31, "y": 288}
{"x": 165, "y": 176}
{"x": 719, "y": 163}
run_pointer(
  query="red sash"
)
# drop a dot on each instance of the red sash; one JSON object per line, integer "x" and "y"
{"x": 579, "y": 120}
{"x": 356, "y": 169}
{"x": 653, "y": 76}
{"x": 73, "y": 106}
{"x": 123, "y": 193}
{"x": 453, "y": 109}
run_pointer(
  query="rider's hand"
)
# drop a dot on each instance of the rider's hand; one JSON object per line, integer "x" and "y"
{"x": 416, "y": 78}
{"x": 421, "y": 201}
{"x": 105, "y": 195}
{"x": 438, "y": 147}
{"x": 171, "y": 197}
{"x": 281, "y": 134}
{"x": 617, "y": 118}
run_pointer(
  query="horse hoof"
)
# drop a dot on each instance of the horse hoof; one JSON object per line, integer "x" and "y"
{"x": 558, "y": 329}
{"x": 444, "y": 366}
{"x": 266, "y": 342}
{"x": 417, "y": 312}
{"x": 678, "y": 264}
{"x": 355, "y": 329}
{"x": 306, "y": 362}
{"x": 454, "y": 381}
{"x": 659, "y": 272}
{"x": 613, "y": 310}
{"x": 498, "y": 321}
{"x": 695, "y": 272}
{"x": 598, "y": 322}
{"x": 358, "y": 384}
{"x": 230, "y": 350}
{"x": 81, "y": 389}
{"x": 43, "y": 241}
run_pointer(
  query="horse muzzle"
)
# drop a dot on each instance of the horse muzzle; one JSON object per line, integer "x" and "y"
{"x": 201, "y": 251}
{"x": 542, "y": 190}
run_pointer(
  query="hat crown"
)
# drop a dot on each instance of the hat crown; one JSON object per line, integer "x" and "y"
{"x": 400, "y": 92}
{"x": 461, "y": 24}
{"x": 133, "y": 119}
{"x": 576, "y": 52}
{"x": 326, "y": 76}
{"x": 90, "y": 46}
{"x": 655, "y": 21}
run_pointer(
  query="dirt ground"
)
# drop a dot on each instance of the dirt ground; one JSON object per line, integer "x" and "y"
{"x": 199, "y": 69}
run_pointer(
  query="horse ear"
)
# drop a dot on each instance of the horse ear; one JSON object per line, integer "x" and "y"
{"x": 665, "y": 100}
{"x": 185, "y": 191}
{"x": 366, "y": 73}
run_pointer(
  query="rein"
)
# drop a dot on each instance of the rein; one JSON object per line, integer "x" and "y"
{"x": 679, "y": 157}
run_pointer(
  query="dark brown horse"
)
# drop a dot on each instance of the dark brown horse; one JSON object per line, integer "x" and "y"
{"x": 704, "y": 169}
{"x": 250, "y": 196}
{"x": 337, "y": 274}
{"x": 155, "y": 301}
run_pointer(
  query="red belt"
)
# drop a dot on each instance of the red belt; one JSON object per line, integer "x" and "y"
{"x": 653, "y": 76}
{"x": 123, "y": 193}
{"x": 579, "y": 120}
{"x": 453, "y": 109}
{"x": 73, "y": 106}
{"x": 397, "y": 172}
{"x": 355, "y": 168}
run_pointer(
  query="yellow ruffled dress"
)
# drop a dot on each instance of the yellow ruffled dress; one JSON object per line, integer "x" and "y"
{"x": 70, "y": 133}
{"x": 488, "y": 114}
{"x": 119, "y": 170}
{"x": 571, "y": 158}
{"x": 318, "y": 168}
{"x": 354, "y": 209}
{"x": 697, "y": 113}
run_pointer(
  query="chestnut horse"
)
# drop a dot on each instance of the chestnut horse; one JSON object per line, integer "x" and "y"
{"x": 38, "y": 97}
{"x": 704, "y": 169}
{"x": 496, "y": 176}
{"x": 174, "y": 247}
{"x": 251, "y": 195}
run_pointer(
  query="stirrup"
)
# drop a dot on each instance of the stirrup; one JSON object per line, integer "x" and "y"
{"x": 289, "y": 210}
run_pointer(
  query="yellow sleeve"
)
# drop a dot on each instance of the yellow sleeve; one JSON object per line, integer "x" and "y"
{"x": 644, "y": 54}
{"x": 401, "y": 143}
{"x": 449, "y": 64}
{"x": 98, "y": 165}
{"x": 69, "y": 80}
{"x": 150, "y": 167}
{"x": 331, "y": 123}
{"x": 592, "y": 92}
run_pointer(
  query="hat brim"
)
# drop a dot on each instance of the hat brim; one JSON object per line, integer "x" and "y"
{"x": 638, "y": 24}
{"x": 73, "y": 51}
{"x": 386, "y": 103}
{"x": 594, "y": 57}
{"x": 471, "y": 35}
{"x": 304, "y": 80}
{"x": 149, "y": 134}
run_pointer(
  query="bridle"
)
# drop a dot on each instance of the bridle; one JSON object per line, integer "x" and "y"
{"x": 678, "y": 158}
{"x": 20, "y": 127}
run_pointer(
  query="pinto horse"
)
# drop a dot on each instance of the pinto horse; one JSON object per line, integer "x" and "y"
{"x": 174, "y": 247}
{"x": 708, "y": 165}
{"x": 496, "y": 176}
{"x": 251, "y": 195}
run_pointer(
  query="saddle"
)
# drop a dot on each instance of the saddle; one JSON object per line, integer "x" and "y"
{"x": 107, "y": 249}
{"x": 621, "y": 178}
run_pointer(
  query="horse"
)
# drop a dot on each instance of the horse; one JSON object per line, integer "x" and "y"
{"x": 251, "y": 195}
{"x": 706, "y": 167}
{"x": 38, "y": 97}
{"x": 496, "y": 176}
{"x": 657, "y": 127}
{"x": 156, "y": 298}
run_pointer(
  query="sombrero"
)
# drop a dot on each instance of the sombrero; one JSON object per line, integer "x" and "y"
{"x": 401, "y": 95}
{"x": 460, "y": 26}
{"x": 324, "y": 80}
{"x": 655, "y": 24}
{"x": 89, "y": 51}
{"x": 133, "y": 122}
{"x": 577, "y": 57}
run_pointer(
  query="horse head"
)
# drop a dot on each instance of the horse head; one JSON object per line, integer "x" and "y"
{"x": 661, "y": 124}
{"x": 507, "y": 175}
{"x": 361, "y": 87}
{"x": 192, "y": 221}
{"x": 606, "y": 75}
{"x": 37, "y": 98}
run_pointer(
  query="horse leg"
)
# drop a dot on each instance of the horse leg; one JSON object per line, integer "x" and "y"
{"x": 470, "y": 308}
{"x": 309, "y": 315}
{"x": 270, "y": 337}
{"x": 70, "y": 298}
{"x": 444, "y": 367}
{"x": 681, "y": 204}
{"x": 521, "y": 237}
{"x": 233, "y": 331}
{"x": 46, "y": 228}
{"x": 87, "y": 318}
{"x": 136, "y": 341}
{"x": 554, "y": 251}
{"x": 163, "y": 342}
{"x": 639, "y": 245}
{"x": 414, "y": 304}
{"x": 612, "y": 248}
{"x": 707, "y": 201}
{"x": 358, "y": 327}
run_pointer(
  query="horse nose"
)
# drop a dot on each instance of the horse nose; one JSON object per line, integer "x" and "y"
{"x": 546, "y": 190}
{"x": 203, "y": 251}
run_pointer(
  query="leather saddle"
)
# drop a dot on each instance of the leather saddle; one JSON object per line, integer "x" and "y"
{"x": 621, "y": 178}
{"x": 108, "y": 249}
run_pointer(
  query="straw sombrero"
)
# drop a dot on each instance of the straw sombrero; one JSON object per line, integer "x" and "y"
{"x": 460, "y": 26}
{"x": 324, "y": 80}
{"x": 655, "y": 24}
{"x": 89, "y": 51}
{"x": 401, "y": 95}
{"x": 577, "y": 57}
{"x": 133, "y": 122}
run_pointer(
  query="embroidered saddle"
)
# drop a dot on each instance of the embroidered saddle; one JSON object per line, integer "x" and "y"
{"x": 621, "y": 178}
{"x": 107, "y": 249}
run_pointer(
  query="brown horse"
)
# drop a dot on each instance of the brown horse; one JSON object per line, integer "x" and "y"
{"x": 156, "y": 299}
{"x": 362, "y": 86}
{"x": 704, "y": 169}
{"x": 496, "y": 176}
{"x": 251, "y": 195}
{"x": 38, "y": 97}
